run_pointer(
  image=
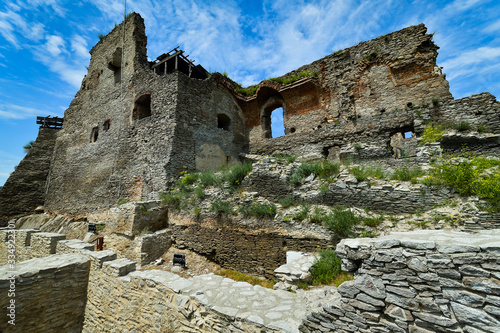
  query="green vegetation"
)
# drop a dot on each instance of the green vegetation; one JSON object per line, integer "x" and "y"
{"x": 371, "y": 57}
{"x": 302, "y": 213}
{"x": 481, "y": 128}
{"x": 237, "y": 173}
{"x": 470, "y": 175}
{"x": 326, "y": 268}
{"x": 360, "y": 172}
{"x": 122, "y": 201}
{"x": 249, "y": 91}
{"x": 435, "y": 101}
{"x": 28, "y": 146}
{"x": 341, "y": 222}
{"x": 287, "y": 201}
{"x": 292, "y": 78}
{"x": 284, "y": 157}
{"x": 258, "y": 209}
{"x": 238, "y": 276}
{"x": 462, "y": 126}
{"x": 101, "y": 36}
{"x": 407, "y": 174}
{"x": 222, "y": 206}
{"x": 373, "y": 221}
{"x": 432, "y": 133}
{"x": 325, "y": 170}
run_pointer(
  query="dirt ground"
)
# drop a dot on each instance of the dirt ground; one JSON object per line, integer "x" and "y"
{"x": 195, "y": 264}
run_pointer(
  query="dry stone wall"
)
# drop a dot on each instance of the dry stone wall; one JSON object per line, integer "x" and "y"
{"x": 422, "y": 282}
{"x": 45, "y": 294}
{"x": 25, "y": 188}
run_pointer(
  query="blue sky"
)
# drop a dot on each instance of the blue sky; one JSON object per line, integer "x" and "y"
{"x": 44, "y": 44}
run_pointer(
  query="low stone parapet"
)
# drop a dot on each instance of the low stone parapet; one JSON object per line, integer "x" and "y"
{"x": 424, "y": 281}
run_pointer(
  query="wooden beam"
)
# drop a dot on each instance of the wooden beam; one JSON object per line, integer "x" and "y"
{"x": 168, "y": 58}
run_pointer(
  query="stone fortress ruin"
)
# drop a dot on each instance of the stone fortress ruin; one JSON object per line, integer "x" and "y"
{"x": 136, "y": 125}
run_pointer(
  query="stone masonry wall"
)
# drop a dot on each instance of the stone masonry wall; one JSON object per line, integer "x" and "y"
{"x": 419, "y": 282}
{"x": 25, "y": 188}
{"x": 48, "y": 294}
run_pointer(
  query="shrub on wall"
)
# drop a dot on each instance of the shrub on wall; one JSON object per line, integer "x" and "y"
{"x": 432, "y": 133}
{"x": 326, "y": 268}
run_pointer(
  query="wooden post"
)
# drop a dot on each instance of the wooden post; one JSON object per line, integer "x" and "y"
{"x": 176, "y": 57}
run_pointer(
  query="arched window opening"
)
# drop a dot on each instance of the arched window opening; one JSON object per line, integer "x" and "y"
{"x": 223, "y": 122}
{"x": 142, "y": 107}
{"x": 277, "y": 124}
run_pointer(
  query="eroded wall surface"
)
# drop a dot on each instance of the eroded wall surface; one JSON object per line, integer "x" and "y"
{"x": 25, "y": 188}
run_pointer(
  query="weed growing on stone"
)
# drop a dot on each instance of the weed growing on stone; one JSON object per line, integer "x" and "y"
{"x": 284, "y": 157}
{"x": 481, "y": 128}
{"x": 287, "y": 201}
{"x": 208, "y": 178}
{"x": 200, "y": 193}
{"x": 122, "y": 201}
{"x": 172, "y": 200}
{"x": 462, "y": 126}
{"x": 325, "y": 170}
{"x": 326, "y": 268}
{"x": 407, "y": 174}
{"x": 238, "y": 276}
{"x": 221, "y": 206}
{"x": 303, "y": 212}
{"x": 360, "y": 172}
{"x": 373, "y": 221}
{"x": 237, "y": 173}
{"x": 435, "y": 101}
{"x": 341, "y": 222}
{"x": 367, "y": 233}
{"x": 258, "y": 209}
{"x": 292, "y": 78}
{"x": 317, "y": 216}
{"x": 432, "y": 133}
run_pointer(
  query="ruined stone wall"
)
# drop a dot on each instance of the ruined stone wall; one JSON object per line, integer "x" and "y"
{"x": 25, "y": 188}
{"x": 49, "y": 294}
{"x": 426, "y": 281}
{"x": 199, "y": 143}
{"x": 252, "y": 249}
{"x": 365, "y": 81}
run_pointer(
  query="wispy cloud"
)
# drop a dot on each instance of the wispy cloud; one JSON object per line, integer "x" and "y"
{"x": 11, "y": 111}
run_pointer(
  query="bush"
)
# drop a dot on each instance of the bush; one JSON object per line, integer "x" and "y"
{"x": 432, "y": 133}
{"x": 341, "y": 222}
{"x": 326, "y": 268}
{"x": 221, "y": 206}
{"x": 471, "y": 175}
{"x": 258, "y": 209}
{"x": 189, "y": 179}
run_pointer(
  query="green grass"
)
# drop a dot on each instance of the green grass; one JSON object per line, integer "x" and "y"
{"x": 208, "y": 178}
{"x": 292, "y": 78}
{"x": 407, "y": 174}
{"x": 326, "y": 268}
{"x": 360, "y": 172}
{"x": 249, "y": 91}
{"x": 222, "y": 206}
{"x": 325, "y": 170}
{"x": 258, "y": 209}
{"x": 238, "y": 276}
{"x": 302, "y": 213}
{"x": 341, "y": 222}
{"x": 481, "y": 128}
{"x": 284, "y": 157}
{"x": 287, "y": 201}
{"x": 317, "y": 215}
{"x": 462, "y": 126}
{"x": 237, "y": 173}
{"x": 172, "y": 200}
{"x": 373, "y": 221}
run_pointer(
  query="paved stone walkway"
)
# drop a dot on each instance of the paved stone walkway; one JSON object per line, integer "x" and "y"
{"x": 272, "y": 308}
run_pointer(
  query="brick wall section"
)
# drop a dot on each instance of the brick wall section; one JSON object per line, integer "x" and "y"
{"x": 423, "y": 282}
{"x": 25, "y": 189}
{"x": 50, "y": 294}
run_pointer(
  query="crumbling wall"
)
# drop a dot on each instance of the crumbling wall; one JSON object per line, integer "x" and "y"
{"x": 425, "y": 281}
{"x": 392, "y": 72}
{"x": 44, "y": 295}
{"x": 25, "y": 188}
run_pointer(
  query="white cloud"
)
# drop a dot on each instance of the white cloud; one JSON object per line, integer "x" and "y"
{"x": 54, "y": 45}
{"x": 465, "y": 62}
{"x": 11, "y": 111}
{"x": 494, "y": 27}
{"x": 79, "y": 47}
